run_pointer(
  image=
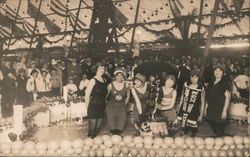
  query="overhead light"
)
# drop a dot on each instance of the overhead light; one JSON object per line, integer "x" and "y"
{"x": 122, "y": 50}
{"x": 111, "y": 50}
{"x": 229, "y": 45}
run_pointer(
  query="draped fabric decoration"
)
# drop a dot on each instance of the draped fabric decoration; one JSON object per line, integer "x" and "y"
{"x": 161, "y": 32}
{"x": 28, "y": 41}
{"x": 5, "y": 21}
{"x": 120, "y": 18}
{"x": 238, "y": 4}
{"x": 11, "y": 14}
{"x": 57, "y": 7}
{"x": 8, "y": 20}
{"x": 218, "y": 26}
{"x": 54, "y": 41}
{"x": 122, "y": 34}
{"x": 32, "y": 11}
{"x": 18, "y": 31}
{"x": 183, "y": 24}
{"x": 28, "y": 27}
{"x": 4, "y": 33}
{"x": 2, "y": 1}
{"x": 11, "y": 43}
{"x": 80, "y": 25}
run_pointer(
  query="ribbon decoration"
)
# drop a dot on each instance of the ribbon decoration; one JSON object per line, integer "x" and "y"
{"x": 50, "y": 41}
{"x": 57, "y": 7}
{"x": 158, "y": 32}
{"x": 11, "y": 43}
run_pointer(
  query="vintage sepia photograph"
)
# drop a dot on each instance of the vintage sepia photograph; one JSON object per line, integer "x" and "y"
{"x": 124, "y": 78}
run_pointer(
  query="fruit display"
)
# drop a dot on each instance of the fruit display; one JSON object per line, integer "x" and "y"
{"x": 116, "y": 145}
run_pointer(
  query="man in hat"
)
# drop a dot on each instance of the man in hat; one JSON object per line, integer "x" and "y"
{"x": 8, "y": 89}
{"x": 32, "y": 84}
{"x": 33, "y": 66}
{"x": 44, "y": 84}
{"x": 22, "y": 94}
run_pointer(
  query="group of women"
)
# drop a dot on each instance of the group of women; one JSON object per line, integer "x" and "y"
{"x": 197, "y": 101}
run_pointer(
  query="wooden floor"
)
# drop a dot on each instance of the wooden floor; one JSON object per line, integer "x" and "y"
{"x": 72, "y": 131}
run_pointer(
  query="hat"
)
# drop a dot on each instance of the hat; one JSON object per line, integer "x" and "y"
{"x": 33, "y": 62}
{"x": 171, "y": 77}
{"x": 70, "y": 78}
{"x": 119, "y": 70}
{"x": 194, "y": 73}
{"x": 33, "y": 71}
{"x": 140, "y": 77}
{"x": 44, "y": 70}
{"x": 221, "y": 67}
{"x": 21, "y": 70}
{"x": 54, "y": 62}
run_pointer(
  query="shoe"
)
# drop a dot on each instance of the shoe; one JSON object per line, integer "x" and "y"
{"x": 118, "y": 132}
{"x": 113, "y": 131}
{"x": 91, "y": 136}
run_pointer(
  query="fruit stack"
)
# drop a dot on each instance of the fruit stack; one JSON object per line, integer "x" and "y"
{"x": 116, "y": 145}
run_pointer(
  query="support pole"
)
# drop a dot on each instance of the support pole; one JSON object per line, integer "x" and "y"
{"x": 77, "y": 18}
{"x": 199, "y": 28}
{"x": 209, "y": 36}
{"x": 135, "y": 22}
{"x": 36, "y": 19}
{"x": 12, "y": 26}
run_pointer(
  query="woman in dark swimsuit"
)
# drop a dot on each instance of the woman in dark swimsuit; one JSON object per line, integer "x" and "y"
{"x": 118, "y": 94}
{"x": 141, "y": 96}
{"x": 218, "y": 99}
{"x": 95, "y": 100}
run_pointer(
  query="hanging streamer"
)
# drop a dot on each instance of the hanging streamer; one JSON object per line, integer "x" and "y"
{"x": 35, "y": 39}
{"x": 11, "y": 43}
{"x": 49, "y": 41}
{"x": 158, "y": 32}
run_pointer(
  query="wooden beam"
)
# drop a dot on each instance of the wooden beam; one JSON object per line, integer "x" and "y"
{"x": 135, "y": 23}
{"x": 12, "y": 26}
{"x": 199, "y": 28}
{"x": 36, "y": 19}
{"x": 231, "y": 16}
{"x": 209, "y": 36}
{"x": 77, "y": 18}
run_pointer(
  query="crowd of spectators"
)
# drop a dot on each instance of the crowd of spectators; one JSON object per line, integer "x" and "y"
{"x": 24, "y": 80}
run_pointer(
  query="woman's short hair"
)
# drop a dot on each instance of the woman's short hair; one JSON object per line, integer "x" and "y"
{"x": 98, "y": 64}
{"x": 171, "y": 77}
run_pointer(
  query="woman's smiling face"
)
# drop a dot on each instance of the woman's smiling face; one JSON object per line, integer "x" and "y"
{"x": 119, "y": 77}
{"x": 138, "y": 83}
{"x": 218, "y": 73}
